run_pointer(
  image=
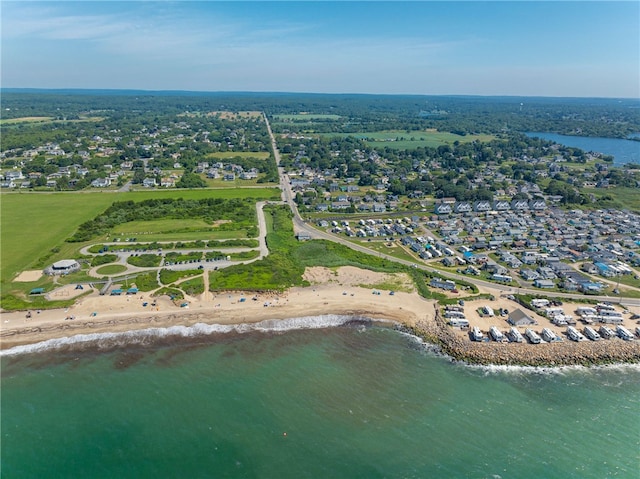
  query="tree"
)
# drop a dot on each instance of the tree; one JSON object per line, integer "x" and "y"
{"x": 191, "y": 180}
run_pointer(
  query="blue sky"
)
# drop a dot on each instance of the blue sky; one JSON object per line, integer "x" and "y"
{"x": 577, "y": 48}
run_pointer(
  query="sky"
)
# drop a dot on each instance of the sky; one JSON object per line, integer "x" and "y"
{"x": 542, "y": 48}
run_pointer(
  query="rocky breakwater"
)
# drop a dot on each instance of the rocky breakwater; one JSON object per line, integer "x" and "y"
{"x": 548, "y": 354}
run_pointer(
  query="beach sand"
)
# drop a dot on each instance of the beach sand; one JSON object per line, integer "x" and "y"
{"x": 330, "y": 293}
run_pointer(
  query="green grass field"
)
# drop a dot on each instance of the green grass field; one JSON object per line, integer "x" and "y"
{"x": 111, "y": 269}
{"x": 621, "y": 198}
{"x": 26, "y": 119}
{"x": 237, "y": 183}
{"x": 400, "y": 139}
{"x": 226, "y": 155}
{"x": 45, "y": 119}
{"x": 305, "y": 116}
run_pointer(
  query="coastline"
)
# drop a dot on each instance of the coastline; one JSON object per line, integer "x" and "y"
{"x": 341, "y": 293}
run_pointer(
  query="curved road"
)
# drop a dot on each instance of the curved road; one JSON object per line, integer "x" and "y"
{"x": 300, "y": 226}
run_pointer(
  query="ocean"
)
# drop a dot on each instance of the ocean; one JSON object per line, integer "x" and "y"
{"x": 357, "y": 399}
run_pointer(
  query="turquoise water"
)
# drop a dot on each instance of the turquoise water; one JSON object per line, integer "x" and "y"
{"x": 353, "y": 401}
{"x": 623, "y": 151}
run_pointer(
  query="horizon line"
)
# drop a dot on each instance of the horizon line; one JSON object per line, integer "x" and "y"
{"x": 253, "y": 92}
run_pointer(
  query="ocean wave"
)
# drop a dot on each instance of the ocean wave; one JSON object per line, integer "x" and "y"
{"x": 496, "y": 369}
{"x": 148, "y": 335}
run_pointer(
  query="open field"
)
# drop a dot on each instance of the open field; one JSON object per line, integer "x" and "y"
{"x": 305, "y": 116}
{"x": 160, "y": 226}
{"x": 621, "y": 197}
{"x": 34, "y": 224}
{"x": 237, "y": 183}
{"x": 226, "y": 155}
{"x": 398, "y": 139}
{"x": 46, "y": 119}
{"x": 25, "y": 119}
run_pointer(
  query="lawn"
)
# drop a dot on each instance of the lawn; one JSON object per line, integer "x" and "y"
{"x": 111, "y": 269}
{"x": 33, "y": 224}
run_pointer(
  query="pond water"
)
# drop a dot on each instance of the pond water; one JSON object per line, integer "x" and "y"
{"x": 623, "y": 151}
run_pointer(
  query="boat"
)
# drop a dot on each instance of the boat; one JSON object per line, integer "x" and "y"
{"x": 624, "y": 333}
{"x": 591, "y": 333}
{"x": 495, "y": 333}
{"x": 476, "y": 334}
{"x": 606, "y": 332}
{"x": 574, "y": 334}
{"x": 638, "y": 331}
{"x": 549, "y": 336}
{"x": 515, "y": 336}
{"x": 532, "y": 336}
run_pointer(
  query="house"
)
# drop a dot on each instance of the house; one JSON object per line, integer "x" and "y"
{"x": 501, "y": 205}
{"x": 495, "y": 268}
{"x": 101, "y": 183}
{"x": 13, "y": 175}
{"x": 518, "y": 317}
{"x": 519, "y": 205}
{"x": 482, "y": 206}
{"x": 462, "y": 207}
{"x": 340, "y": 205}
{"x": 442, "y": 284}
{"x": 537, "y": 205}
{"x": 229, "y": 177}
{"x": 442, "y": 208}
{"x": 529, "y": 275}
{"x": 149, "y": 182}
{"x": 544, "y": 283}
{"x": 249, "y": 175}
{"x": 448, "y": 261}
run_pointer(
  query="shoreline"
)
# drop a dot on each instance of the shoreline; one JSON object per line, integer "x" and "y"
{"x": 337, "y": 293}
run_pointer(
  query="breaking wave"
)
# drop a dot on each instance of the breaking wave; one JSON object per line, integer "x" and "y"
{"x": 149, "y": 335}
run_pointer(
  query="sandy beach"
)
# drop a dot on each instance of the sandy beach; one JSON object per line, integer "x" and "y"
{"x": 346, "y": 291}
{"x": 330, "y": 293}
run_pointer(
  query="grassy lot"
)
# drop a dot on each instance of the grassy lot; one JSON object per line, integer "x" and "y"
{"x": 305, "y": 116}
{"x": 227, "y": 155}
{"x": 26, "y": 119}
{"x": 46, "y": 119}
{"x": 616, "y": 198}
{"x": 33, "y": 224}
{"x": 237, "y": 183}
{"x": 111, "y": 269}
{"x": 401, "y": 140}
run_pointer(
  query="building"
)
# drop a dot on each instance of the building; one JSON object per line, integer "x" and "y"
{"x": 64, "y": 266}
{"x": 443, "y": 284}
{"x": 544, "y": 283}
{"x": 518, "y": 317}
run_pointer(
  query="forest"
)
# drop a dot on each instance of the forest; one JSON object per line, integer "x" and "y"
{"x": 613, "y": 118}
